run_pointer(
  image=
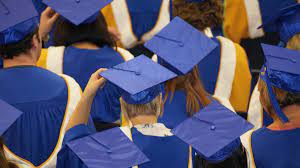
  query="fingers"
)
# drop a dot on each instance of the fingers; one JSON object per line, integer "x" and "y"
{"x": 97, "y": 73}
{"x": 54, "y": 18}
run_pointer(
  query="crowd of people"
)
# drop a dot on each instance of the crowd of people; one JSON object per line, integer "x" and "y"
{"x": 150, "y": 83}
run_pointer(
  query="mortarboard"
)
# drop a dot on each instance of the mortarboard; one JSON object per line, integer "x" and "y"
{"x": 140, "y": 79}
{"x": 281, "y": 69}
{"x": 180, "y": 46}
{"x": 108, "y": 149}
{"x": 78, "y": 11}
{"x": 285, "y": 20}
{"x": 18, "y": 18}
{"x": 9, "y": 115}
{"x": 211, "y": 129}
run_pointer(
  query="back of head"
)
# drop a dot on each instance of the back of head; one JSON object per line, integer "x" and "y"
{"x": 201, "y": 15}
{"x": 196, "y": 96}
{"x": 152, "y": 108}
{"x": 96, "y": 32}
{"x": 11, "y": 50}
{"x": 283, "y": 97}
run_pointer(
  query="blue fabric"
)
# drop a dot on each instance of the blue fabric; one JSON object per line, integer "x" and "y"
{"x": 144, "y": 15}
{"x": 174, "y": 111}
{"x": 267, "y": 119}
{"x": 272, "y": 97}
{"x": 42, "y": 97}
{"x": 143, "y": 97}
{"x": 81, "y": 64}
{"x": 162, "y": 151}
{"x": 67, "y": 158}
{"x": 39, "y": 6}
{"x": 225, "y": 153}
{"x": 268, "y": 8}
{"x": 209, "y": 68}
{"x": 19, "y": 31}
{"x": 276, "y": 149}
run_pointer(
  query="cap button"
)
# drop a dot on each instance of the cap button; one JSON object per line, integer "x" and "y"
{"x": 77, "y": 1}
{"x": 213, "y": 128}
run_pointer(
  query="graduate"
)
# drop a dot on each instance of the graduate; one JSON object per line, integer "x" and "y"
{"x": 141, "y": 104}
{"x": 47, "y": 100}
{"x": 287, "y": 23}
{"x": 83, "y": 45}
{"x": 242, "y": 18}
{"x": 225, "y": 73}
{"x": 138, "y": 21}
{"x": 180, "y": 48}
{"x": 277, "y": 145}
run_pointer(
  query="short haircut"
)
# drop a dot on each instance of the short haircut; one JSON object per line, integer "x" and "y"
{"x": 9, "y": 51}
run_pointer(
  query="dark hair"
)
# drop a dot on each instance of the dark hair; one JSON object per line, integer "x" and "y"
{"x": 201, "y": 15}
{"x": 3, "y": 161}
{"x": 66, "y": 33}
{"x": 9, "y": 51}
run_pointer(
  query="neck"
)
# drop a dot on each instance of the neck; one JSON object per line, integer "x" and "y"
{"x": 139, "y": 120}
{"x": 21, "y": 60}
{"x": 85, "y": 45}
{"x": 293, "y": 114}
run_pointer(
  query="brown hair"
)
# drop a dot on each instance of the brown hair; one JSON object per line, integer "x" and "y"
{"x": 284, "y": 98}
{"x": 190, "y": 83}
{"x": 9, "y": 51}
{"x": 294, "y": 43}
{"x": 3, "y": 161}
{"x": 66, "y": 33}
{"x": 134, "y": 110}
{"x": 201, "y": 15}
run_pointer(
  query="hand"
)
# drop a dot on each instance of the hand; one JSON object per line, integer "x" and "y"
{"x": 48, "y": 18}
{"x": 115, "y": 34}
{"x": 95, "y": 82}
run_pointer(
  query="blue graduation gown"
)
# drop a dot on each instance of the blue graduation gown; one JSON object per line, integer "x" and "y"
{"x": 42, "y": 96}
{"x": 143, "y": 17}
{"x": 276, "y": 149}
{"x": 165, "y": 151}
{"x": 81, "y": 64}
{"x": 67, "y": 158}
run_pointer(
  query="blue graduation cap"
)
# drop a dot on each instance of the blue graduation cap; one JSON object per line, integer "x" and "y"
{"x": 211, "y": 129}
{"x": 281, "y": 69}
{"x": 78, "y": 11}
{"x": 140, "y": 79}
{"x": 18, "y": 18}
{"x": 9, "y": 115}
{"x": 286, "y": 21}
{"x": 108, "y": 149}
{"x": 180, "y": 46}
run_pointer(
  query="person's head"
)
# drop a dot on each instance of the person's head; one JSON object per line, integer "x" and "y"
{"x": 294, "y": 42}
{"x": 196, "y": 96}
{"x": 4, "y": 163}
{"x": 152, "y": 108}
{"x": 201, "y": 15}
{"x": 283, "y": 97}
{"x": 30, "y": 44}
{"x": 96, "y": 32}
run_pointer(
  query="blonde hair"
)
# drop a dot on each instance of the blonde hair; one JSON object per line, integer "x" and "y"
{"x": 154, "y": 107}
{"x": 294, "y": 43}
{"x": 196, "y": 96}
{"x": 283, "y": 97}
